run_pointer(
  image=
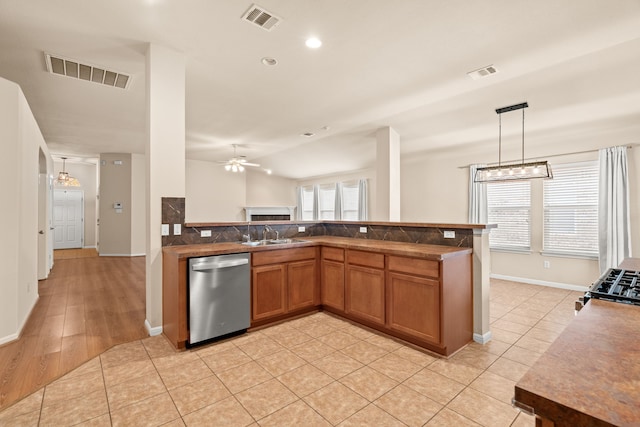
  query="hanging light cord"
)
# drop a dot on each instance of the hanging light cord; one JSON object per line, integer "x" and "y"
{"x": 523, "y": 136}
{"x": 500, "y": 139}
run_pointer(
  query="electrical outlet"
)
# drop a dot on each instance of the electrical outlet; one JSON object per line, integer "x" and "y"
{"x": 301, "y": 229}
{"x": 165, "y": 229}
{"x": 449, "y": 234}
{"x": 205, "y": 233}
{"x": 547, "y": 264}
{"x": 177, "y": 229}
{"x": 363, "y": 229}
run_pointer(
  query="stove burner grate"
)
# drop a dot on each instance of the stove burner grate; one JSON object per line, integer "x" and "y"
{"x": 618, "y": 285}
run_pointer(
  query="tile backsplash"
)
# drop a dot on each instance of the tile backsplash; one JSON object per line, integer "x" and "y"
{"x": 173, "y": 213}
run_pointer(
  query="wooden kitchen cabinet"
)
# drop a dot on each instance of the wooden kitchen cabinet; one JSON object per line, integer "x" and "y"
{"x": 332, "y": 278}
{"x": 413, "y": 297}
{"x": 284, "y": 282}
{"x": 365, "y": 286}
{"x": 268, "y": 291}
{"x": 301, "y": 282}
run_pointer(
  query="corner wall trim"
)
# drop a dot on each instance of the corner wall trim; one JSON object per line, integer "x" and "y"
{"x": 482, "y": 339}
{"x": 541, "y": 283}
{"x": 152, "y": 331}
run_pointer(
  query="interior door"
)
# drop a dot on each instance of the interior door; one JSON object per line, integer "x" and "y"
{"x": 68, "y": 218}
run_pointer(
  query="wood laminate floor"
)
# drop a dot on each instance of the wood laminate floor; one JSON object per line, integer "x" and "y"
{"x": 86, "y": 306}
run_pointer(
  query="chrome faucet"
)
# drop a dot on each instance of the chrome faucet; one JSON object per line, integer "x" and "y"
{"x": 267, "y": 228}
{"x": 247, "y": 236}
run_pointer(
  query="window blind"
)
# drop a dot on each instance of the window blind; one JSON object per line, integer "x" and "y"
{"x": 327, "y": 201}
{"x": 350, "y": 195}
{"x": 509, "y": 206}
{"x": 307, "y": 203}
{"x": 571, "y": 210}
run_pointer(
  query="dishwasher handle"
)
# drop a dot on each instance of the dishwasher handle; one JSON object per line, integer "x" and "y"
{"x": 215, "y": 265}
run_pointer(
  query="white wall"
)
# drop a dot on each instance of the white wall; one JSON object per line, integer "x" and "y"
{"x": 19, "y": 165}
{"x": 115, "y": 187}
{"x": 269, "y": 190}
{"x": 87, "y": 176}
{"x": 138, "y": 205}
{"x": 213, "y": 194}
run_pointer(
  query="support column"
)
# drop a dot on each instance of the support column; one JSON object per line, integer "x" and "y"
{"x": 387, "y": 175}
{"x": 165, "y": 161}
{"x": 481, "y": 290}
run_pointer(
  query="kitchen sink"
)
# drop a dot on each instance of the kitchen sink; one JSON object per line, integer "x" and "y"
{"x": 273, "y": 242}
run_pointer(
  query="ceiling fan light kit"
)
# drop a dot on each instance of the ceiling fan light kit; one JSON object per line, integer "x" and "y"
{"x": 237, "y": 163}
{"x": 512, "y": 171}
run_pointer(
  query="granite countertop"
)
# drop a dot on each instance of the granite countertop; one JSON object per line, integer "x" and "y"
{"x": 381, "y": 223}
{"x": 590, "y": 376}
{"x": 433, "y": 252}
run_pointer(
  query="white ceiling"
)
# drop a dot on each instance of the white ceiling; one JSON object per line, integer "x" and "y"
{"x": 383, "y": 63}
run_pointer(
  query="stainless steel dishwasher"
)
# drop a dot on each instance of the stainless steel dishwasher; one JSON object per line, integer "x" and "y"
{"x": 219, "y": 295}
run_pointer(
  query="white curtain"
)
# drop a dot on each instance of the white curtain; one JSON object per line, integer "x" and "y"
{"x": 337, "y": 206}
{"x": 614, "y": 237}
{"x": 478, "y": 212}
{"x": 363, "y": 212}
{"x": 299, "y": 202}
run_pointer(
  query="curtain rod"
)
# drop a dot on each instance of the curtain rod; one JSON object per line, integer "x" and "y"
{"x": 629, "y": 146}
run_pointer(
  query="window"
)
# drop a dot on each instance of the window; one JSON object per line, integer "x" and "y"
{"x": 327, "y": 202}
{"x": 350, "y": 196}
{"x": 509, "y": 206}
{"x": 571, "y": 210}
{"x": 347, "y": 194}
{"x": 307, "y": 203}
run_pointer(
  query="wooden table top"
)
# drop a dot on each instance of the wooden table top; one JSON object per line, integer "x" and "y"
{"x": 590, "y": 375}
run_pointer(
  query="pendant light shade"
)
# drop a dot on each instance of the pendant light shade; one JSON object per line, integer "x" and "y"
{"x": 64, "y": 179}
{"x": 512, "y": 171}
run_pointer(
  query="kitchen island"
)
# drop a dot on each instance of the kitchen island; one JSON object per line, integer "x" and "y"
{"x": 590, "y": 376}
{"x": 420, "y": 293}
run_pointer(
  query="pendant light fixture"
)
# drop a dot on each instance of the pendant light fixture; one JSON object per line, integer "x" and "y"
{"x": 512, "y": 171}
{"x": 64, "y": 179}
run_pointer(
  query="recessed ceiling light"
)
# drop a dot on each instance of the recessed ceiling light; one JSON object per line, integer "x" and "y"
{"x": 313, "y": 42}
{"x": 308, "y": 134}
{"x": 269, "y": 61}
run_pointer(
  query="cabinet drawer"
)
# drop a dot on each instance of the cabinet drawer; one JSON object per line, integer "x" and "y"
{"x": 368, "y": 259}
{"x": 282, "y": 255}
{"x": 417, "y": 266}
{"x": 334, "y": 254}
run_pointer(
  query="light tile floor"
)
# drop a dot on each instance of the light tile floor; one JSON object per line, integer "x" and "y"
{"x": 314, "y": 371}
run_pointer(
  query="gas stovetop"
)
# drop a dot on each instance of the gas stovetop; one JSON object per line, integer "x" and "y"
{"x": 617, "y": 285}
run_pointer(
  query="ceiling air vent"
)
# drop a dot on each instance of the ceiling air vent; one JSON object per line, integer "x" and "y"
{"x": 482, "y": 72}
{"x": 91, "y": 73}
{"x": 260, "y": 17}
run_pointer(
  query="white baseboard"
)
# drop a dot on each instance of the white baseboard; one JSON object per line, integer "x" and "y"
{"x": 541, "y": 282}
{"x": 152, "y": 331}
{"x": 89, "y": 247}
{"x": 9, "y": 338}
{"x": 16, "y": 335}
{"x": 482, "y": 339}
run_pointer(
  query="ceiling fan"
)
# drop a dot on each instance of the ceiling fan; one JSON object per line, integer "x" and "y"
{"x": 237, "y": 163}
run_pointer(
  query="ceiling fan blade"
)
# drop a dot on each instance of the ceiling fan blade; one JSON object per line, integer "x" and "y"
{"x": 251, "y": 164}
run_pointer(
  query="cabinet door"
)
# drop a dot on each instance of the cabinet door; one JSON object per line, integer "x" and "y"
{"x": 413, "y": 306}
{"x": 302, "y": 284}
{"x": 268, "y": 287}
{"x": 333, "y": 284}
{"x": 365, "y": 293}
